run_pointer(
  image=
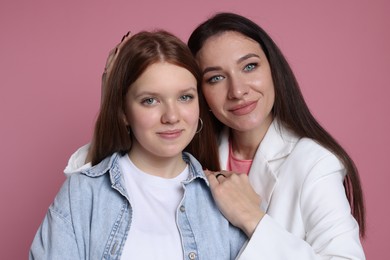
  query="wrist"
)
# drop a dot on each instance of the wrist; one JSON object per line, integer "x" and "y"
{"x": 250, "y": 224}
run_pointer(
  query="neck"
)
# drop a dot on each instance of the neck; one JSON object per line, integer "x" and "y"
{"x": 245, "y": 143}
{"x": 165, "y": 167}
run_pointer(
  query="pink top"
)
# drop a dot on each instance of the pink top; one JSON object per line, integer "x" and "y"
{"x": 237, "y": 165}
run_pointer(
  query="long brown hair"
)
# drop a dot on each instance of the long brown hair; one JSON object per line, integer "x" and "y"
{"x": 290, "y": 108}
{"x": 111, "y": 134}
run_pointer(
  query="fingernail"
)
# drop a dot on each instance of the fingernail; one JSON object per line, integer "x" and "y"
{"x": 124, "y": 36}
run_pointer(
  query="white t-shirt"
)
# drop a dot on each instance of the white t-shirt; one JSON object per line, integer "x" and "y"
{"x": 154, "y": 200}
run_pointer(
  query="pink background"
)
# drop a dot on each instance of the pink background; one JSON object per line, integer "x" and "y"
{"x": 53, "y": 53}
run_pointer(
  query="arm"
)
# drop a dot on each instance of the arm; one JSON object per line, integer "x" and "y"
{"x": 55, "y": 238}
{"x": 330, "y": 231}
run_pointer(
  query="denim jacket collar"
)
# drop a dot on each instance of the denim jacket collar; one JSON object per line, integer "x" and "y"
{"x": 110, "y": 165}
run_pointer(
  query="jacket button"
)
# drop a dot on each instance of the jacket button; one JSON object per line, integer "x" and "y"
{"x": 182, "y": 208}
{"x": 114, "y": 248}
{"x": 192, "y": 255}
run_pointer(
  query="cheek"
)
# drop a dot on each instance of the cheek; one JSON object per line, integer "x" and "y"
{"x": 139, "y": 120}
{"x": 266, "y": 88}
{"x": 270, "y": 90}
{"x": 213, "y": 97}
{"x": 191, "y": 113}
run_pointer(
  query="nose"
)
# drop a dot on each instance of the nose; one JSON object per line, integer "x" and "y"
{"x": 237, "y": 87}
{"x": 171, "y": 114}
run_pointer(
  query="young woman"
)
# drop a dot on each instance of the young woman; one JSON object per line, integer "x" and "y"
{"x": 143, "y": 197}
{"x": 311, "y": 198}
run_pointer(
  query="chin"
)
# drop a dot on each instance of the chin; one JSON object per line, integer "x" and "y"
{"x": 167, "y": 153}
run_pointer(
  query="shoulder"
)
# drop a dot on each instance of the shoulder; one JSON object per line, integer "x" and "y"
{"x": 312, "y": 161}
{"x": 76, "y": 162}
{"x": 80, "y": 187}
{"x": 76, "y": 188}
{"x": 310, "y": 148}
{"x": 196, "y": 169}
{"x": 311, "y": 152}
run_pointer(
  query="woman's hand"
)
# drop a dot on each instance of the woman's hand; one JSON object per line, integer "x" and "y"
{"x": 236, "y": 199}
{"x": 112, "y": 55}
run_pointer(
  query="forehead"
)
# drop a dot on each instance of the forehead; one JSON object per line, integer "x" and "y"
{"x": 164, "y": 76}
{"x": 227, "y": 45}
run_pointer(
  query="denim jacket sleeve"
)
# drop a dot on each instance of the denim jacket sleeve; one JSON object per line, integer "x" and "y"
{"x": 55, "y": 238}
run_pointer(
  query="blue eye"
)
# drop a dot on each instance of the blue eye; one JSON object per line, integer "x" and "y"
{"x": 186, "y": 98}
{"x": 148, "y": 101}
{"x": 250, "y": 67}
{"x": 215, "y": 79}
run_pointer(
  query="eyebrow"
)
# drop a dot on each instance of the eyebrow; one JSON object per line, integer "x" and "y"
{"x": 195, "y": 89}
{"x": 208, "y": 69}
{"x": 150, "y": 93}
{"x": 245, "y": 57}
{"x": 250, "y": 55}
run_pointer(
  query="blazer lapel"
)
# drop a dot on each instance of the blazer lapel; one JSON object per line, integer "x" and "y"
{"x": 276, "y": 145}
{"x": 263, "y": 179}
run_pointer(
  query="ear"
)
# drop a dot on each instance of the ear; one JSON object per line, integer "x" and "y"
{"x": 124, "y": 118}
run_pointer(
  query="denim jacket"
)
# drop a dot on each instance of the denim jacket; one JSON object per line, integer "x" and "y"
{"x": 91, "y": 215}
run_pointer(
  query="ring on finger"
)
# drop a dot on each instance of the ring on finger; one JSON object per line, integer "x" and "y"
{"x": 219, "y": 174}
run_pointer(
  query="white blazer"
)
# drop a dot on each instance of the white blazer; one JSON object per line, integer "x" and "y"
{"x": 307, "y": 212}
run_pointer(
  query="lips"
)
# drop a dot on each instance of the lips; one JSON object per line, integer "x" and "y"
{"x": 170, "y": 134}
{"x": 244, "y": 108}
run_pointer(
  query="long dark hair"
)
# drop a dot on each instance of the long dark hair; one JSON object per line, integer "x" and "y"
{"x": 290, "y": 108}
{"x": 142, "y": 50}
